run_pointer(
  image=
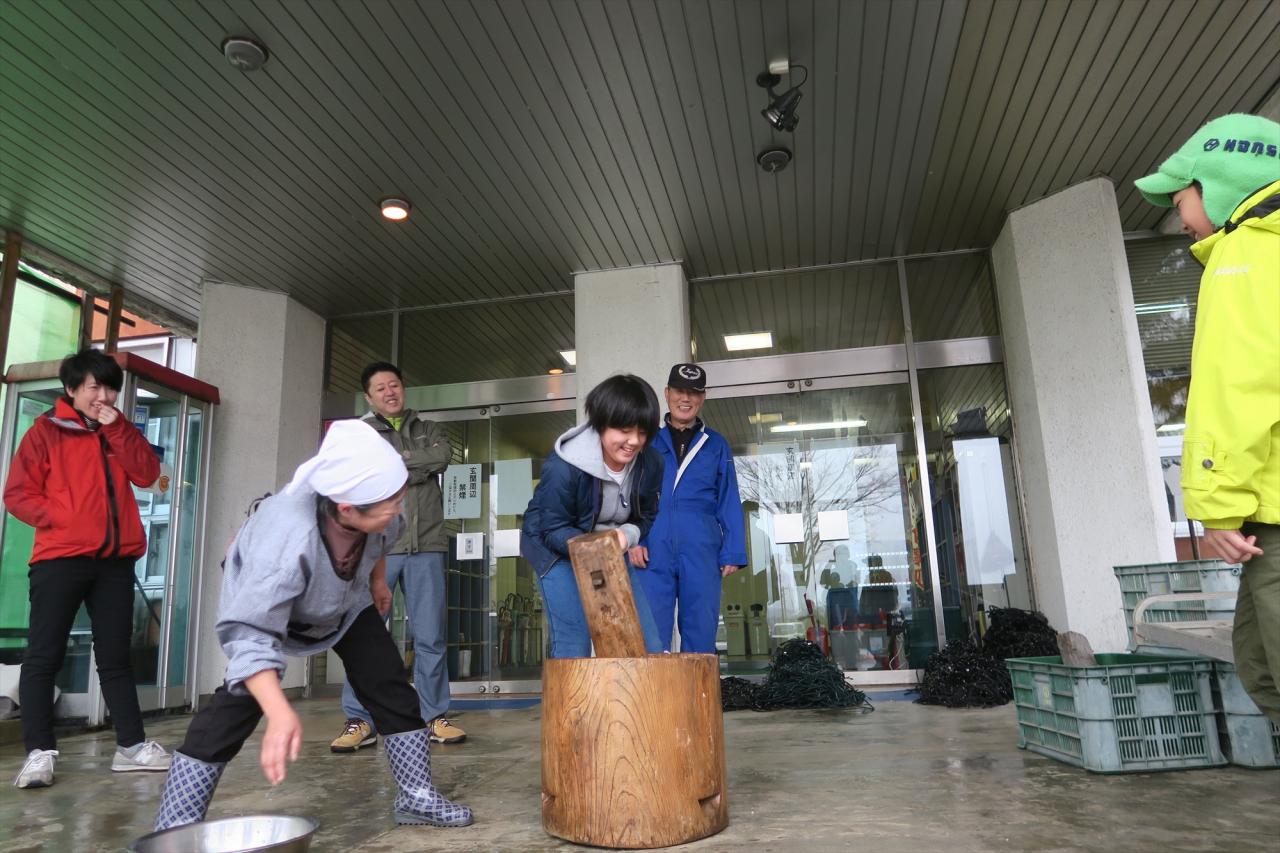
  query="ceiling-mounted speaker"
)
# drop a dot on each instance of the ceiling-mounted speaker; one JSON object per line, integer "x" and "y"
{"x": 774, "y": 159}
{"x": 244, "y": 54}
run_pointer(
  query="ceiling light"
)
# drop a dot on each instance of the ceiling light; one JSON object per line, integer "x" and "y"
{"x": 781, "y": 112}
{"x": 244, "y": 54}
{"x": 752, "y": 340}
{"x": 556, "y": 371}
{"x": 825, "y": 425}
{"x": 394, "y": 209}
{"x": 774, "y": 159}
{"x": 570, "y": 357}
{"x": 1172, "y": 428}
{"x": 765, "y": 418}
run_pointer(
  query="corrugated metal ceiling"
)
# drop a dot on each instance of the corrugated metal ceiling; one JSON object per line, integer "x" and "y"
{"x": 538, "y": 138}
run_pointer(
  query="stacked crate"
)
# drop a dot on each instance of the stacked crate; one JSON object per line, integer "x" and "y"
{"x": 1249, "y": 738}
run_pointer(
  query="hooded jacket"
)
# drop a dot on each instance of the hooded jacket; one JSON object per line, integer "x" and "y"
{"x": 571, "y": 493}
{"x": 1231, "y": 448}
{"x": 71, "y": 484}
{"x": 426, "y": 452}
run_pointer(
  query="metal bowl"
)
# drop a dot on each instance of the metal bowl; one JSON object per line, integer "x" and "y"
{"x": 248, "y": 834}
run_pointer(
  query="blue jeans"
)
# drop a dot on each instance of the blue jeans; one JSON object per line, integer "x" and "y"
{"x": 421, "y": 578}
{"x": 567, "y": 622}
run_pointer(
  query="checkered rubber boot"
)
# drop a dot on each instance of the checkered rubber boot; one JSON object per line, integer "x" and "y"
{"x": 418, "y": 800}
{"x": 187, "y": 791}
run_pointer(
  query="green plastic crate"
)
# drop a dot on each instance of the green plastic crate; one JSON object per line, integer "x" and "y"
{"x": 1139, "y": 582}
{"x": 1252, "y": 739}
{"x": 1248, "y": 738}
{"x": 1128, "y": 714}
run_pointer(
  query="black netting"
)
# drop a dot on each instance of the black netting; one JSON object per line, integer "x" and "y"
{"x": 798, "y": 677}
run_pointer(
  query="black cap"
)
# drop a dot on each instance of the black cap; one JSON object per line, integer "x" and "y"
{"x": 689, "y": 376}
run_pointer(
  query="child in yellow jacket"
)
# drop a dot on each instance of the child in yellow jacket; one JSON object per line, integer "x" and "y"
{"x": 1225, "y": 183}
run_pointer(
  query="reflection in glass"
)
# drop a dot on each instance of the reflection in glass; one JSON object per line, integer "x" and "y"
{"x": 830, "y": 492}
{"x": 951, "y": 297}
{"x": 188, "y": 518}
{"x": 1166, "y": 282}
{"x": 518, "y": 636}
{"x": 354, "y": 343}
{"x": 15, "y": 563}
{"x": 968, "y": 435}
{"x": 485, "y": 342}
{"x": 466, "y": 580}
{"x": 855, "y": 306}
{"x": 157, "y": 417}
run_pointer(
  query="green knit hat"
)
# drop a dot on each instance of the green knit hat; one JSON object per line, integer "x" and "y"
{"x": 1232, "y": 157}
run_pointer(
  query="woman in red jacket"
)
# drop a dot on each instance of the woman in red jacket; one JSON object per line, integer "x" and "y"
{"x": 70, "y": 480}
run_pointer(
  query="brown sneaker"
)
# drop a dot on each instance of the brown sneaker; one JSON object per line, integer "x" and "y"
{"x": 443, "y": 731}
{"x": 355, "y": 734}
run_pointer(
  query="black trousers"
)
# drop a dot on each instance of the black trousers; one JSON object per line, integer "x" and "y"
{"x": 376, "y": 674}
{"x": 58, "y": 588}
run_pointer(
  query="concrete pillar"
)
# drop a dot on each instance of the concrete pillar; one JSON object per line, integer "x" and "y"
{"x": 265, "y": 352}
{"x": 631, "y": 320}
{"x": 1091, "y": 477}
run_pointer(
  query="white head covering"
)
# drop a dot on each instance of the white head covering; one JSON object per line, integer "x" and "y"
{"x": 355, "y": 465}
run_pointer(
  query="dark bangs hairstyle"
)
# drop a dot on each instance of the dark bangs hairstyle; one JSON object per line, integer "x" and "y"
{"x": 622, "y": 402}
{"x": 90, "y": 362}
{"x": 378, "y": 367}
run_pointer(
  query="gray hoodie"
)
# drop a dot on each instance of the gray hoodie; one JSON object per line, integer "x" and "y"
{"x": 280, "y": 593}
{"x": 581, "y": 448}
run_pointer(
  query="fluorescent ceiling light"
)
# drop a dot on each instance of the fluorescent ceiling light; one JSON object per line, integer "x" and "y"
{"x": 1160, "y": 307}
{"x": 825, "y": 425}
{"x": 754, "y": 340}
{"x": 570, "y": 357}
{"x": 1171, "y": 428}
{"x": 765, "y": 418}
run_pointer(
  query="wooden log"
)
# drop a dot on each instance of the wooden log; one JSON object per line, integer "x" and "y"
{"x": 1075, "y": 649}
{"x": 633, "y": 750}
{"x": 605, "y": 588}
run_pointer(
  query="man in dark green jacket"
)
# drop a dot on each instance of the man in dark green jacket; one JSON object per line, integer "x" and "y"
{"x": 417, "y": 562}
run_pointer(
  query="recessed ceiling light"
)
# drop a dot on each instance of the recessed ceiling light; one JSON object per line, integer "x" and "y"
{"x": 570, "y": 357}
{"x": 794, "y": 427}
{"x": 394, "y": 209}
{"x": 754, "y": 340}
{"x": 556, "y": 371}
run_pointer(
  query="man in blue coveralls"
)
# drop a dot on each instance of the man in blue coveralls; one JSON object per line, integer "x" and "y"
{"x": 698, "y": 537}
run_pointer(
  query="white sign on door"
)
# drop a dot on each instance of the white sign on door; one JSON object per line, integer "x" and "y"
{"x": 462, "y": 491}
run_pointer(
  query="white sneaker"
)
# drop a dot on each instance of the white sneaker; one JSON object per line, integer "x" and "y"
{"x": 38, "y": 771}
{"x": 147, "y": 755}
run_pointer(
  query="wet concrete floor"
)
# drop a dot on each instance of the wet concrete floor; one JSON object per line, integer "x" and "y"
{"x": 905, "y": 778}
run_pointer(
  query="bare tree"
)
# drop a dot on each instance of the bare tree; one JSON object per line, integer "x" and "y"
{"x": 813, "y": 480}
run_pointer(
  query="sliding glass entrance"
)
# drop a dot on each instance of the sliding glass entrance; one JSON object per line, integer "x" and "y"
{"x": 495, "y": 632}
{"x": 829, "y": 479}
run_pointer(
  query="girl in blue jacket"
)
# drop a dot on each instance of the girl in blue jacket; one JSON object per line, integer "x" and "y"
{"x": 602, "y": 475}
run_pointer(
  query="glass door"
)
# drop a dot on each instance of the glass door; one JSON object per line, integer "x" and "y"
{"x": 829, "y": 480}
{"x": 174, "y": 426}
{"x": 465, "y": 486}
{"x": 158, "y": 414}
{"x": 495, "y": 628}
{"x": 521, "y": 436}
{"x": 24, "y": 402}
